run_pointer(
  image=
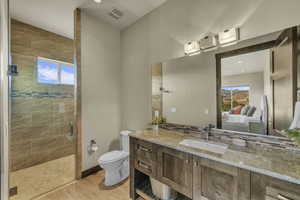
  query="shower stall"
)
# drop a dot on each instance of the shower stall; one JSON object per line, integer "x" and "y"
{"x": 38, "y": 115}
{"x": 42, "y": 147}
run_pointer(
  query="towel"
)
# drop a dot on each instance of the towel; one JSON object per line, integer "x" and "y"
{"x": 264, "y": 112}
{"x": 296, "y": 122}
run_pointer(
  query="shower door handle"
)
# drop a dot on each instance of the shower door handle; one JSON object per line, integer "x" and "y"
{"x": 12, "y": 70}
{"x": 71, "y": 129}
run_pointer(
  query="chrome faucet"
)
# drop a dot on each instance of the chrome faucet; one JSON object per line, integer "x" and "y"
{"x": 207, "y": 130}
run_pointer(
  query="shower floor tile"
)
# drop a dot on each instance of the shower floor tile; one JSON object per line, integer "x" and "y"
{"x": 90, "y": 188}
{"x": 37, "y": 180}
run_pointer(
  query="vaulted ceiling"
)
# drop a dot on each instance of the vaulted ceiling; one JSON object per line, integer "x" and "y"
{"x": 57, "y": 15}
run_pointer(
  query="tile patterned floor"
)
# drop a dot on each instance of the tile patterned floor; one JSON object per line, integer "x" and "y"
{"x": 37, "y": 180}
{"x": 90, "y": 188}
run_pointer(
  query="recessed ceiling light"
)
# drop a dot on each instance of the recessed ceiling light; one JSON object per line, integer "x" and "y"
{"x": 98, "y": 1}
{"x": 240, "y": 62}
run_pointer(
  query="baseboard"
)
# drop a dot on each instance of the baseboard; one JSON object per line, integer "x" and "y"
{"x": 90, "y": 171}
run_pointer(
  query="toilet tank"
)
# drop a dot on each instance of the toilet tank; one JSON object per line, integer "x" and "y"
{"x": 125, "y": 140}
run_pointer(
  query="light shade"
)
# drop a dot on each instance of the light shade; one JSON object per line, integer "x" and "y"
{"x": 191, "y": 47}
{"x": 98, "y": 1}
{"x": 229, "y": 36}
{"x": 208, "y": 42}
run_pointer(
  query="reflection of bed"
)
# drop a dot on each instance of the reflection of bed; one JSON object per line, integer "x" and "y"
{"x": 238, "y": 122}
{"x": 245, "y": 123}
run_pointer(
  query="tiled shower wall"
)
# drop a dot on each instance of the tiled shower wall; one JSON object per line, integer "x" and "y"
{"x": 41, "y": 113}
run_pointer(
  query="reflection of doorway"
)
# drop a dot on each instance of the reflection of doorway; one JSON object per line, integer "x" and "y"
{"x": 245, "y": 81}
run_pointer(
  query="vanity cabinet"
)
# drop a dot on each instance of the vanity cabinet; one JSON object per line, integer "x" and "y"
{"x": 267, "y": 188}
{"x": 200, "y": 178}
{"x": 175, "y": 169}
{"x": 216, "y": 181}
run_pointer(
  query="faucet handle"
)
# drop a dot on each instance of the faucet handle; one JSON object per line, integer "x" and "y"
{"x": 211, "y": 126}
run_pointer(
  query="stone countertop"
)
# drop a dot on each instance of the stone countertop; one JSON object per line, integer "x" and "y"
{"x": 275, "y": 162}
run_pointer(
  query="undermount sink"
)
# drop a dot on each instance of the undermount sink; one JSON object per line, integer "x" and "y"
{"x": 219, "y": 148}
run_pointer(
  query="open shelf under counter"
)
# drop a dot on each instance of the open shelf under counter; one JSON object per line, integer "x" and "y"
{"x": 144, "y": 191}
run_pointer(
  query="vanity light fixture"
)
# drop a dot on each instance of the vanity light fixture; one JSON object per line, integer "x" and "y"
{"x": 192, "y": 48}
{"x": 208, "y": 43}
{"x": 229, "y": 36}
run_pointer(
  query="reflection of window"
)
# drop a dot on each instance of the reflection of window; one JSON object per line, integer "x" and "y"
{"x": 55, "y": 72}
{"x": 234, "y": 96}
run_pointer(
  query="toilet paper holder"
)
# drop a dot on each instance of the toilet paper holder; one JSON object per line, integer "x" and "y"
{"x": 93, "y": 147}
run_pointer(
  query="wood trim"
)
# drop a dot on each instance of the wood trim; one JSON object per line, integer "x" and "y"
{"x": 219, "y": 56}
{"x": 295, "y": 65}
{"x": 90, "y": 171}
{"x": 77, "y": 63}
{"x": 248, "y": 49}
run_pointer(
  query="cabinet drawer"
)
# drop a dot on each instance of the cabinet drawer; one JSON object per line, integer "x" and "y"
{"x": 144, "y": 152}
{"x": 145, "y": 157}
{"x": 144, "y": 167}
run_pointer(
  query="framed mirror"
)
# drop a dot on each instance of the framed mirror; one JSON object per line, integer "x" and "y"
{"x": 246, "y": 87}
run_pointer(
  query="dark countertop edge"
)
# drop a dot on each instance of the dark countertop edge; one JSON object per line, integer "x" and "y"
{"x": 247, "y": 167}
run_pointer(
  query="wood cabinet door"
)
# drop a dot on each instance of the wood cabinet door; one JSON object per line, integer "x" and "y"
{"x": 284, "y": 60}
{"x": 216, "y": 181}
{"x": 174, "y": 168}
{"x": 267, "y": 188}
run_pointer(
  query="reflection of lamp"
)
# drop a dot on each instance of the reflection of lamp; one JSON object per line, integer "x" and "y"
{"x": 191, "y": 47}
{"x": 229, "y": 36}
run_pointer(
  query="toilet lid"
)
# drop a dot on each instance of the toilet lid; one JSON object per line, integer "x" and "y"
{"x": 113, "y": 156}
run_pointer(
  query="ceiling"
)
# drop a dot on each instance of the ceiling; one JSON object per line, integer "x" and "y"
{"x": 54, "y": 16}
{"x": 245, "y": 63}
{"x": 57, "y": 15}
{"x": 132, "y": 10}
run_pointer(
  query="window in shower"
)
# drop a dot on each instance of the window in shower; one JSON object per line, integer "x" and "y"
{"x": 55, "y": 72}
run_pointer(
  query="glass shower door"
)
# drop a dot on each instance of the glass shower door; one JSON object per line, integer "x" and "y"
{"x": 42, "y": 144}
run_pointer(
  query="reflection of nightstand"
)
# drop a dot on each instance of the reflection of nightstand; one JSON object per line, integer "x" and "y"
{"x": 256, "y": 127}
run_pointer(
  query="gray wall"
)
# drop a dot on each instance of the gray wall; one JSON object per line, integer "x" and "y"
{"x": 160, "y": 35}
{"x": 100, "y": 87}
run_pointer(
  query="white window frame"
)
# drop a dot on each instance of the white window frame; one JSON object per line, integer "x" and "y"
{"x": 239, "y": 86}
{"x": 60, "y": 63}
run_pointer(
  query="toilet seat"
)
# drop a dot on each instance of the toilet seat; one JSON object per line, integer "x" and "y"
{"x": 113, "y": 156}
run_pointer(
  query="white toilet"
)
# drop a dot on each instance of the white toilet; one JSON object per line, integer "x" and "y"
{"x": 116, "y": 163}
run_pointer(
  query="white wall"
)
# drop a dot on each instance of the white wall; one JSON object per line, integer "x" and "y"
{"x": 256, "y": 83}
{"x": 100, "y": 87}
{"x": 160, "y": 36}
